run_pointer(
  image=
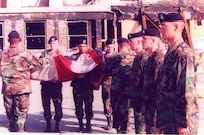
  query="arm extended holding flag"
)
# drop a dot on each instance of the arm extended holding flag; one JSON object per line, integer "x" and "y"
{"x": 64, "y": 68}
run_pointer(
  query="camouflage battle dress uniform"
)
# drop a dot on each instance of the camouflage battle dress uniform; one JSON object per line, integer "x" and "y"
{"x": 15, "y": 69}
{"x": 83, "y": 94}
{"x": 119, "y": 67}
{"x": 151, "y": 70}
{"x": 51, "y": 90}
{"x": 177, "y": 104}
{"x": 106, "y": 93}
{"x": 137, "y": 83}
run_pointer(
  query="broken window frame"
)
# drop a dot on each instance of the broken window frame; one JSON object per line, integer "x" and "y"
{"x": 40, "y": 35}
{"x": 2, "y": 36}
{"x": 77, "y": 36}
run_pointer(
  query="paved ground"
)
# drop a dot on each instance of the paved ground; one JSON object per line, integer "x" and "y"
{"x": 35, "y": 122}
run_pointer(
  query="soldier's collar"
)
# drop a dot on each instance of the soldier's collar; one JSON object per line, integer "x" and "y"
{"x": 176, "y": 44}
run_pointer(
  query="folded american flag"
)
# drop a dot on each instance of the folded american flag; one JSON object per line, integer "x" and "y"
{"x": 64, "y": 68}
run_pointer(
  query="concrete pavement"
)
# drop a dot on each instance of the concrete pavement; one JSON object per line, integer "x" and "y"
{"x": 36, "y": 124}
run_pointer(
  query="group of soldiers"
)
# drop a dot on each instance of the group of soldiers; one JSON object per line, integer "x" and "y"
{"x": 156, "y": 80}
{"x": 158, "y": 83}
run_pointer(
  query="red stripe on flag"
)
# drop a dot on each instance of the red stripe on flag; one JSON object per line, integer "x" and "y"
{"x": 63, "y": 69}
{"x": 94, "y": 55}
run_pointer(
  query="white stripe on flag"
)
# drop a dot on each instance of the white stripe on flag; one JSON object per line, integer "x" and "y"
{"x": 84, "y": 64}
{"x": 46, "y": 73}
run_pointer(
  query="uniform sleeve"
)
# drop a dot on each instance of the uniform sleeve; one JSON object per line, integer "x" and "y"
{"x": 111, "y": 63}
{"x": 184, "y": 89}
{"x": 158, "y": 64}
{"x": 38, "y": 62}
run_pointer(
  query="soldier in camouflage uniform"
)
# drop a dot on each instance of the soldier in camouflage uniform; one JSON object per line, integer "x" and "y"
{"x": 137, "y": 80}
{"x": 83, "y": 91}
{"x": 177, "y": 109}
{"x": 119, "y": 67}
{"x": 16, "y": 87}
{"x": 52, "y": 90}
{"x": 106, "y": 86}
{"x": 151, "y": 43}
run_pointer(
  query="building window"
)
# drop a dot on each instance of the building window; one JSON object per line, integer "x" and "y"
{"x": 35, "y": 35}
{"x": 77, "y": 30}
{"x": 108, "y": 30}
{"x": 1, "y": 36}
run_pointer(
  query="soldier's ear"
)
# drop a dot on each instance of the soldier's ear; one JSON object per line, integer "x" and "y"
{"x": 176, "y": 26}
{"x": 153, "y": 39}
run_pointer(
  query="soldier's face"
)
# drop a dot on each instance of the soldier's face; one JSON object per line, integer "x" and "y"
{"x": 110, "y": 48}
{"x": 147, "y": 42}
{"x": 167, "y": 30}
{"x": 54, "y": 45}
{"x": 135, "y": 43}
{"x": 83, "y": 48}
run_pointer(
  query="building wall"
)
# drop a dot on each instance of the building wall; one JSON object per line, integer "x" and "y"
{"x": 197, "y": 35}
{"x": 129, "y": 26}
{"x": 56, "y": 16}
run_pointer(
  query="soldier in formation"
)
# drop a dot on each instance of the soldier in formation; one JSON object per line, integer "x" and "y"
{"x": 83, "y": 91}
{"x": 177, "y": 107}
{"x": 151, "y": 43}
{"x": 137, "y": 80}
{"x": 52, "y": 90}
{"x": 119, "y": 67}
{"x": 106, "y": 86}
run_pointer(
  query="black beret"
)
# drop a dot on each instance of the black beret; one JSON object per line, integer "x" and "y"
{"x": 52, "y": 39}
{"x": 171, "y": 17}
{"x": 151, "y": 32}
{"x": 110, "y": 41}
{"x": 133, "y": 35}
{"x": 14, "y": 34}
{"x": 123, "y": 40}
{"x": 82, "y": 41}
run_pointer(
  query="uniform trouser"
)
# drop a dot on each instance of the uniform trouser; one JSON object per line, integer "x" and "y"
{"x": 16, "y": 107}
{"x": 149, "y": 115}
{"x": 106, "y": 97}
{"x": 120, "y": 106}
{"x": 139, "y": 119}
{"x": 83, "y": 96}
{"x": 53, "y": 92}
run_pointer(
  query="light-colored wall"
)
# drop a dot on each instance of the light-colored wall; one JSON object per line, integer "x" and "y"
{"x": 197, "y": 35}
{"x": 196, "y": 31}
{"x": 129, "y": 26}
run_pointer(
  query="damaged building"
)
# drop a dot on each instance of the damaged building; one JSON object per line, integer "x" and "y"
{"x": 97, "y": 20}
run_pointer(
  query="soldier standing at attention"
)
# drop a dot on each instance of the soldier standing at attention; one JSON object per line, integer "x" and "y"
{"x": 83, "y": 91}
{"x": 106, "y": 86}
{"x": 137, "y": 80}
{"x": 52, "y": 90}
{"x": 151, "y": 43}
{"x": 177, "y": 109}
{"x": 119, "y": 67}
{"x": 16, "y": 84}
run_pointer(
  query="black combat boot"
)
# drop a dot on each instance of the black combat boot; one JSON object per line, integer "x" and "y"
{"x": 48, "y": 128}
{"x": 109, "y": 126}
{"x": 57, "y": 126}
{"x": 88, "y": 126}
{"x": 12, "y": 128}
{"x": 81, "y": 125}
